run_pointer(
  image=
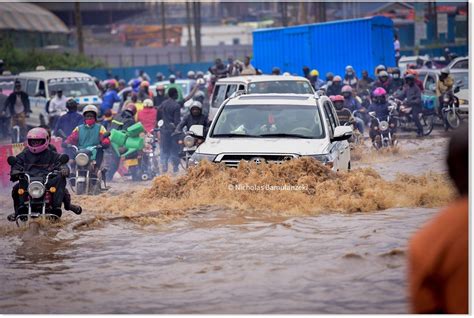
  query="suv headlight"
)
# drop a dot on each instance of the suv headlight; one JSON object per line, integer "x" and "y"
{"x": 36, "y": 189}
{"x": 198, "y": 157}
{"x": 326, "y": 159}
{"x": 82, "y": 159}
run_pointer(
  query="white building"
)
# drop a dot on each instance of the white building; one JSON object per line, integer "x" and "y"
{"x": 220, "y": 35}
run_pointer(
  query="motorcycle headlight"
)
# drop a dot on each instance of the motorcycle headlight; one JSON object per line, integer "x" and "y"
{"x": 383, "y": 125}
{"x": 82, "y": 159}
{"x": 188, "y": 141}
{"x": 463, "y": 102}
{"x": 36, "y": 189}
{"x": 198, "y": 157}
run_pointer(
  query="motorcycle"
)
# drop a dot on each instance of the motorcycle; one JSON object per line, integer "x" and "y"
{"x": 450, "y": 109}
{"x": 36, "y": 194}
{"x": 190, "y": 141}
{"x": 384, "y": 130}
{"x": 88, "y": 177}
{"x": 403, "y": 117}
{"x": 149, "y": 166}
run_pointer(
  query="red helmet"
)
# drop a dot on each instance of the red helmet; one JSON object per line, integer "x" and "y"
{"x": 379, "y": 91}
{"x": 37, "y": 140}
{"x": 132, "y": 108}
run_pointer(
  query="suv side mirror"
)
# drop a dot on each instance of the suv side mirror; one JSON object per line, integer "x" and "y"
{"x": 161, "y": 123}
{"x": 342, "y": 133}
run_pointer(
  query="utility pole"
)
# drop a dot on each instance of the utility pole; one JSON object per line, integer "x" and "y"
{"x": 197, "y": 28}
{"x": 188, "y": 24}
{"x": 163, "y": 24}
{"x": 284, "y": 13}
{"x": 78, "y": 18}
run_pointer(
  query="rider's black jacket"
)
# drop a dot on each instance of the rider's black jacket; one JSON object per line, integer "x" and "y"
{"x": 36, "y": 165}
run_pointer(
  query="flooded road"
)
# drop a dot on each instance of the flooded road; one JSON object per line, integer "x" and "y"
{"x": 223, "y": 258}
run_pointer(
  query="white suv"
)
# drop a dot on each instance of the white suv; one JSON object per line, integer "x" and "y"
{"x": 276, "y": 127}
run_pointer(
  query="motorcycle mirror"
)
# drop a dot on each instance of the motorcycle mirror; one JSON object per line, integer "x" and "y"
{"x": 63, "y": 158}
{"x": 161, "y": 123}
{"x": 11, "y": 160}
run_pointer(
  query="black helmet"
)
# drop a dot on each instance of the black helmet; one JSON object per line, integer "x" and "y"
{"x": 71, "y": 103}
{"x": 396, "y": 70}
{"x": 276, "y": 71}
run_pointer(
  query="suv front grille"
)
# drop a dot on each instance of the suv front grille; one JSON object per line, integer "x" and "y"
{"x": 234, "y": 159}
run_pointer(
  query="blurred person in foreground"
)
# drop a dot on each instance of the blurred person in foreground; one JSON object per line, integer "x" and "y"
{"x": 438, "y": 253}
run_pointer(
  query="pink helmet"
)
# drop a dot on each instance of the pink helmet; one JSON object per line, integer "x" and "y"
{"x": 346, "y": 89}
{"x": 37, "y": 140}
{"x": 379, "y": 91}
{"x": 336, "y": 98}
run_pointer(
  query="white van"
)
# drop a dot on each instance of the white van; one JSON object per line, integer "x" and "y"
{"x": 39, "y": 86}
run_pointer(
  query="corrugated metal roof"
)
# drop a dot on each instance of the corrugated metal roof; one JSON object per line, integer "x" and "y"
{"x": 29, "y": 17}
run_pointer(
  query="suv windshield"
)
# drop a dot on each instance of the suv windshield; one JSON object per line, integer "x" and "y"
{"x": 269, "y": 121}
{"x": 280, "y": 87}
{"x": 73, "y": 87}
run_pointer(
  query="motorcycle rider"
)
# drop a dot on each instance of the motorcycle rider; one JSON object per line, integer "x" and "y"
{"x": 148, "y": 115}
{"x": 160, "y": 95}
{"x": 335, "y": 87}
{"x": 380, "y": 107}
{"x": 160, "y": 77}
{"x": 90, "y": 134}
{"x": 17, "y": 106}
{"x": 170, "y": 113}
{"x": 195, "y": 117}
{"x": 67, "y": 122}
{"x": 121, "y": 122}
{"x": 276, "y": 71}
{"x": 378, "y": 69}
{"x": 38, "y": 159}
{"x": 57, "y": 107}
{"x": 144, "y": 92}
{"x": 344, "y": 114}
{"x": 418, "y": 82}
{"x": 315, "y": 80}
{"x": 350, "y": 77}
{"x": 365, "y": 82}
{"x": 445, "y": 83}
{"x": 411, "y": 95}
{"x": 397, "y": 80}
{"x": 110, "y": 97}
{"x": 173, "y": 84}
{"x": 353, "y": 105}
{"x": 383, "y": 81}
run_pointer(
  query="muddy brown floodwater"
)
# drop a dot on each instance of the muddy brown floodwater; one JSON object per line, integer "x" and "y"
{"x": 153, "y": 250}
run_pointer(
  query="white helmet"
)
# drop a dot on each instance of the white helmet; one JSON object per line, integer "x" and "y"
{"x": 196, "y": 104}
{"x": 91, "y": 108}
{"x": 191, "y": 74}
{"x": 147, "y": 103}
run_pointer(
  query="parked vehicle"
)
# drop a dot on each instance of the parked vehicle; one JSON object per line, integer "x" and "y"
{"x": 39, "y": 86}
{"x": 273, "y": 128}
{"x": 262, "y": 84}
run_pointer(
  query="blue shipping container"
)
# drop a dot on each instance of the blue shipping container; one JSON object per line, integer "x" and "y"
{"x": 327, "y": 47}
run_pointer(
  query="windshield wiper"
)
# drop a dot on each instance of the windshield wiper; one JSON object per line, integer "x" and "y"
{"x": 236, "y": 135}
{"x": 287, "y": 135}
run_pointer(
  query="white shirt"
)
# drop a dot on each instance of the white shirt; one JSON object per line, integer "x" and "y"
{"x": 57, "y": 105}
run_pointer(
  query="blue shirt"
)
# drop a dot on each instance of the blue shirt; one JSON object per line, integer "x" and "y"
{"x": 352, "y": 104}
{"x": 108, "y": 100}
{"x": 68, "y": 122}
